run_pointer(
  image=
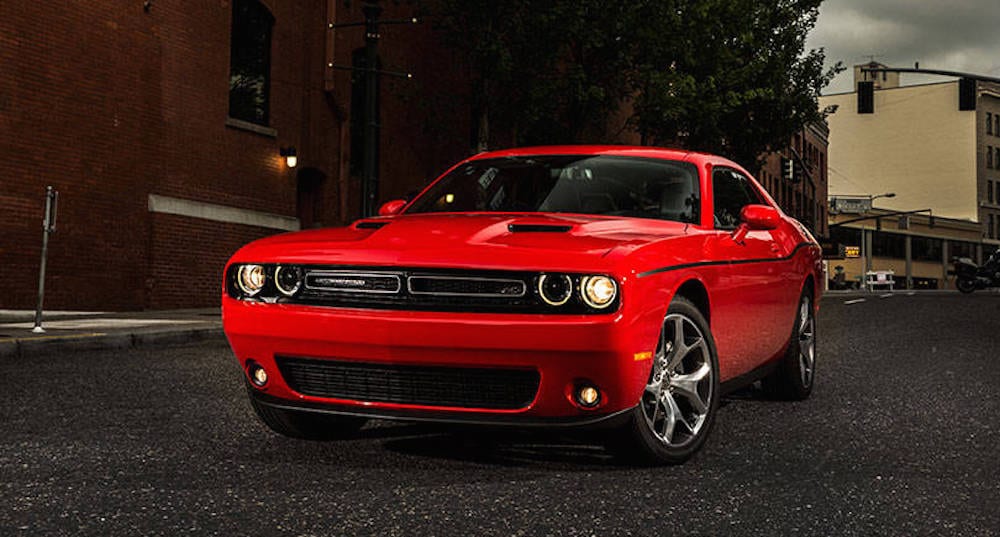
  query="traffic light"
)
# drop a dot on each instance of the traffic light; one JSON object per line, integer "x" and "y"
{"x": 787, "y": 169}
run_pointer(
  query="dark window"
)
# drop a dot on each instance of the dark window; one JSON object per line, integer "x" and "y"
{"x": 926, "y": 248}
{"x": 989, "y": 226}
{"x": 888, "y": 245}
{"x": 989, "y": 191}
{"x": 961, "y": 249}
{"x": 732, "y": 191}
{"x": 250, "y": 62}
{"x": 989, "y": 123}
{"x": 358, "y": 119}
{"x": 996, "y": 157}
{"x": 989, "y": 157}
{"x": 845, "y": 235}
{"x": 996, "y": 124}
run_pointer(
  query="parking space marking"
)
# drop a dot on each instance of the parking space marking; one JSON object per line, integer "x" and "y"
{"x": 855, "y": 301}
{"x": 887, "y": 295}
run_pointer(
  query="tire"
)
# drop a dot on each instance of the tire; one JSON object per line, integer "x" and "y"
{"x": 795, "y": 375}
{"x": 307, "y": 425}
{"x": 678, "y": 405}
{"x": 965, "y": 285}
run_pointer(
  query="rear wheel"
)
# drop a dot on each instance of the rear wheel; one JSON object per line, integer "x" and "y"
{"x": 794, "y": 376}
{"x": 965, "y": 285}
{"x": 307, "y": 425}
{"x": 681, "y": 397}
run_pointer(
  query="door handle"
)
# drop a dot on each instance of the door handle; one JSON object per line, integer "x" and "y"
{"x": 775, "y": 249}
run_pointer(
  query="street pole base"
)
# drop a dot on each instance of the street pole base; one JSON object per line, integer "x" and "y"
{"x": 38, "y": 330}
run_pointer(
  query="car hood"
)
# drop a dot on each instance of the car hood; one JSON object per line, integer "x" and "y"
{"x": 499, "y": 241}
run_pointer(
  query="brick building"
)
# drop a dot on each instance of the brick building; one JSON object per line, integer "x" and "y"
{"x": 804, "y": 197}
{"x": 161, "y": 125}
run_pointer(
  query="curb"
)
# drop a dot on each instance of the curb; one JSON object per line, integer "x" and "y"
{"x": 27, "y": 347}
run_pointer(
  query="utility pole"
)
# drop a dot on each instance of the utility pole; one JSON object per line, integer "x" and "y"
{"x": 369, "y": 176}
{"x": 370, "y": 173}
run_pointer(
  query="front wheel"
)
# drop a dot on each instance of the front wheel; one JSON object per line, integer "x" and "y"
{"x": 965, "y": 285}
{"x": 681, "y": 397}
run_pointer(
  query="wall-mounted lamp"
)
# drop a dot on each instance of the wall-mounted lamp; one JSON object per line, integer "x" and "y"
{"x": 290, "y": 158}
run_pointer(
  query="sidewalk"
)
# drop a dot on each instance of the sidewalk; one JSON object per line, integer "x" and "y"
{"x": 74, "y": 330}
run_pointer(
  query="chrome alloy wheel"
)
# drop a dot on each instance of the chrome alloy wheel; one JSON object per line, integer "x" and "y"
{"x": 807, "y": 342}
{"x": 678, "y": 398}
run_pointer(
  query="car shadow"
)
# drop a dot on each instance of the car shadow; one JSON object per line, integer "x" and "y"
{"x": 509, "y": 449}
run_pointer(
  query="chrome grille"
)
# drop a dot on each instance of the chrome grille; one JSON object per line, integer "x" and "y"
{"x": 353, "y": 282}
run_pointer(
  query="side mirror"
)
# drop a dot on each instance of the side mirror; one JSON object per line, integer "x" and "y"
{"x": 390, "y": 208}
{"x": 756, "y": 218}
{"x": 760, "y": 217}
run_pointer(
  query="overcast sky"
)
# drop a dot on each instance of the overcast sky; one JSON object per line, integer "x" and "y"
{"x": 957, "y": 35}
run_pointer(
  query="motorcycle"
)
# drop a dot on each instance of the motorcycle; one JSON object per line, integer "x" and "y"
{"x": 969, "y": 276}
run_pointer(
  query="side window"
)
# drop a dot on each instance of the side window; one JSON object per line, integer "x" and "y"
{"x": 731, "y": 191}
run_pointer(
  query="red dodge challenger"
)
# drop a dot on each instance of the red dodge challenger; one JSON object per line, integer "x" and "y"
{"x": 623, "y": 288}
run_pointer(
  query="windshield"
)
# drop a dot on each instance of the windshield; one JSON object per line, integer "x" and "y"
{"x": 586, "y": 184}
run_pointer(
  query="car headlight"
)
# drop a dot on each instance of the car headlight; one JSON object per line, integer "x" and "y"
{"x": 555, "y": 289}
{"x": 251, "y": 279}
{"x": 598, "y": 291}
{"x": 288, "y": 280}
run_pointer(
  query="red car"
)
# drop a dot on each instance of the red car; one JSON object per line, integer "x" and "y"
{"x": 622, "y": 288}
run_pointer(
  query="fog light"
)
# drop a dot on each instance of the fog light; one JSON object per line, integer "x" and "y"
{"x": 257, "y": 374}
{"x": 588, "y": 396}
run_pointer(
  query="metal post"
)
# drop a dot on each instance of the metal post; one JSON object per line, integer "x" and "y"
{"x": 369, "y": 179}
{"x": 48, "y": 226}
{"x": 864, "y": 260}
{"x": 908, "y": 245}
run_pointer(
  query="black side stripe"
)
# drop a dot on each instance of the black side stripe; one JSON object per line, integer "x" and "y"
{"x": 736, "y": 262}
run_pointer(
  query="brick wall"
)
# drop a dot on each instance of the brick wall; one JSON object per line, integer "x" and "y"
{"x": 109, "y": 103}
{"x": 186, "y": 274}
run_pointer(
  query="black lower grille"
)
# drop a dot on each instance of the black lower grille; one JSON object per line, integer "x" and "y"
{"x": 408, "y": 384}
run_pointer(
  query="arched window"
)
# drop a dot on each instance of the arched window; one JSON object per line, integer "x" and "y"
{"x": 250, "y": 62}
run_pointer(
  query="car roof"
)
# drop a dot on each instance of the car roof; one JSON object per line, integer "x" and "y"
{"x": 615, "y": 150}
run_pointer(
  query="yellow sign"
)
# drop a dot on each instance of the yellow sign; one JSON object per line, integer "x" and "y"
{"x": 852, "y": 251}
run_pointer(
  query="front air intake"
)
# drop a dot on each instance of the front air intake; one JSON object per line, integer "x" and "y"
{"x": 462, "y": 387}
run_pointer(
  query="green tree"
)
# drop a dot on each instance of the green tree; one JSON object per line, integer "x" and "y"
{"x": 731, "y": 76}
{"x": 542, "y": 71}
{"x": 726, "y": 76}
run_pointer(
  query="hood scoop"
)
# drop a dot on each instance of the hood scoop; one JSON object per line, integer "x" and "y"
{"x": 370, "y": 224}
{"x": 538, "y": 228}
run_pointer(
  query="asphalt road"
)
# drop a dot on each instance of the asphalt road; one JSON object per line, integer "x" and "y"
{"x": 901, "y": 437}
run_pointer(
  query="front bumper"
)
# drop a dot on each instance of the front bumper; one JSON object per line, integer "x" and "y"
{"x": 566, "y": 350}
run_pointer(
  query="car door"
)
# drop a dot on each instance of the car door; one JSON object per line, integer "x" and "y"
{"x": 749, "y": 292}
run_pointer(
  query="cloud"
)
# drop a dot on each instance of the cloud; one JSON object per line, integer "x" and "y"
{"x": 960, "y": 35}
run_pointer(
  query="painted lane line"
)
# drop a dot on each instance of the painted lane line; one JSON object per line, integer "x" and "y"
{"x": 887, "y": 295}
{"x": 855, "y": 301}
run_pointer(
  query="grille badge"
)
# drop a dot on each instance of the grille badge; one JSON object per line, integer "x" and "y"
{"x": 351, "y": 282}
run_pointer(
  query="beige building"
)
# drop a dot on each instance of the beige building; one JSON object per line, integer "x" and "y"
{"x": 918, "y": 253}
{"x": 935, "y": 146}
